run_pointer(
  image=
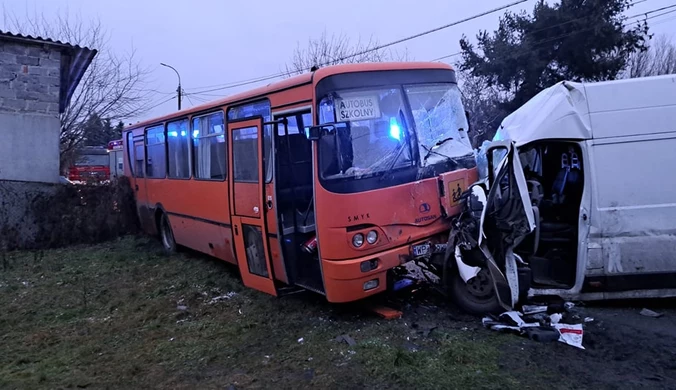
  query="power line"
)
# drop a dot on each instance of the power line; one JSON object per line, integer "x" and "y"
{"x": 239, "y": 84}
{"x": 447, "y": 56}
{"x": 379, "y": 47}
{"x": 160, "y": 103}
{"x": 255, "y": 79}
{"x": 583, "y": 30}
{"x": 190, "y": 100}
{"x": 664, "y": 20}
{"x": 588, "y": 17}
{"x": 542, "y": 42}
{"x": 663, "y": 13}
{"x": 652, "y": 11}
{"x": 431, "y": 31}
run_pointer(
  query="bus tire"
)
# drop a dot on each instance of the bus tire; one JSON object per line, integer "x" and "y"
{"x": 166, "y": 234}
{"x": 477, "y": 296}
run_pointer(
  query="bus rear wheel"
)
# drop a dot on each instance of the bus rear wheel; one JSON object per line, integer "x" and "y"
{"x": 167, "y": 234}
{"x": 477, "y": 296}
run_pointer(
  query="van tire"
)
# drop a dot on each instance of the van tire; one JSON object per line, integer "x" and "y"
{"x": 166, "y": 234}
{"x": 477, "y": 296}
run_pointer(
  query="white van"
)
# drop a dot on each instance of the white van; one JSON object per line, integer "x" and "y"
{"x": 586, "y": 202}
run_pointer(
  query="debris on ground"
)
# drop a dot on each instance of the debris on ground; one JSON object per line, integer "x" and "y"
{"x": 346, "y": 339}
{"x": 424, "y": 327}
{"x": 650, "y": 313}
{"x": 539, "y": 327}
{"x": 309, "y": 374}
{"x": 181, "y": 307}
{"x": 385, "y": 312}
{"x": 533, "y": 309}
{"x": 301, "y": 340}
{"x": 227, "y": 296}
{"x": 410, "y": 347}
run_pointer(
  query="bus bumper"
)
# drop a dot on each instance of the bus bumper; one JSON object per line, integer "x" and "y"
{"x": 355, "y": 279}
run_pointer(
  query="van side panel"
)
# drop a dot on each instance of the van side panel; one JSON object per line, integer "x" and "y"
{"x": 634, "y": 179}
{"x": 639, "y": 106}
{"x": 634, "y": 202}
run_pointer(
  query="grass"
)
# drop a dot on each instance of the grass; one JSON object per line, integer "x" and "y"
{"x": 125, "y": 315}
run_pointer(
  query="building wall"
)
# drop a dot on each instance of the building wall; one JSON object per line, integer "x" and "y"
{"x": 29, "y": 112}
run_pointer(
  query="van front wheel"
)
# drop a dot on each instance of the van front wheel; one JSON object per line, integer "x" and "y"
{"x": 477, "y": 296}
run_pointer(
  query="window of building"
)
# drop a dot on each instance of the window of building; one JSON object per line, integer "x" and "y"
{"x": 156, "y": 156}
{"x": 178, "y": 149}
{"x": 245, "y": 154}
{"x": 209, "y": 146}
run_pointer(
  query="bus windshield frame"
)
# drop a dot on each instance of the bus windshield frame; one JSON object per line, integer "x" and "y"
{"x": 389, "y": 128}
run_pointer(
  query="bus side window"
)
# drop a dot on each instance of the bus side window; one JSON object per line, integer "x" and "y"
{"x": 307, "y": 120}
{"x": 209, "y": 147}
{"x": 178, "y": 149}
{"x": 156, "y": 152}
{"x": 245, "y": 154}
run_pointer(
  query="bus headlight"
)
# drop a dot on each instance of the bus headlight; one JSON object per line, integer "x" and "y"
{"x": 372, "y": 237}
{"x": 358, "y": 240}
{"x": 371, "y": 284}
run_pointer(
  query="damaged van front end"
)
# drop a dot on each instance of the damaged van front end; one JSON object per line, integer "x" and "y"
{"x": 563, "y": 207}
{"x": 480, "y": 269}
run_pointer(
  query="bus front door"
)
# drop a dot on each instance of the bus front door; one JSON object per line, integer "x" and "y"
{"x": 247, "y": 206}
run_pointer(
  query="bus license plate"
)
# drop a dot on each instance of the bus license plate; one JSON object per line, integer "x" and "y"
{"x": 420, "y": 250}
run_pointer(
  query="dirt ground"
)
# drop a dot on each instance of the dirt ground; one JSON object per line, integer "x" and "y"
{"x": 623, "y": 349}
{"x": 124, "y": 315}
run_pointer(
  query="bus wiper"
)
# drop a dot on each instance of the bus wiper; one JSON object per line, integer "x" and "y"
{"x": 431, "y": 151}
{"x": 394, "y": 161}
{"x": 400, "y": 148}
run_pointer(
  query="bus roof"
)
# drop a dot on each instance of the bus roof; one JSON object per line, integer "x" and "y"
{"x": 304, "y": 78}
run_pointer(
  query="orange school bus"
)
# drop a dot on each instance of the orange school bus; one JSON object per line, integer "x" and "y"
{"x": 322, "y": 181}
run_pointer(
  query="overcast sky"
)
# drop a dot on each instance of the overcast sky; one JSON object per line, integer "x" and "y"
{"x": 215, "y": 42}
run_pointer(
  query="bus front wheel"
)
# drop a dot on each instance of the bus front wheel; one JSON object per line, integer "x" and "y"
{"x": 167, "y": 234}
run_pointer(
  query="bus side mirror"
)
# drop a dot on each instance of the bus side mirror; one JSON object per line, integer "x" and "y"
{"x": 314, "y": 133}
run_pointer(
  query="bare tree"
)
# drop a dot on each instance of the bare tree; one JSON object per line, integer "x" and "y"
{"x": 659, "y": 59}
{"x": 338, "y": 49}
{"x": 113, "y": 86}
{"x": 483, "y": 101}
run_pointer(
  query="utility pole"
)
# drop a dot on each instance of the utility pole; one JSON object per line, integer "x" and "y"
{"x": 178, "y": 90}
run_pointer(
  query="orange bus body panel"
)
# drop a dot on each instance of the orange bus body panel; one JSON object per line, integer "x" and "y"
{"x": 344, "y": 279}
{"x": 200, "y": 211}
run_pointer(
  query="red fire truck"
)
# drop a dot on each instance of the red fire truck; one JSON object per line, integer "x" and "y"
{"x": 92, "y": 165}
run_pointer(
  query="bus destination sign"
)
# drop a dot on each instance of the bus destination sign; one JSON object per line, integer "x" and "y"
{"x": 357, "y": 108}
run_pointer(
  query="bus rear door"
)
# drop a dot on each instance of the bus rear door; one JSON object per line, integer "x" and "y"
{"x": 137, "y": 166}
{"x": 247, "y": 206}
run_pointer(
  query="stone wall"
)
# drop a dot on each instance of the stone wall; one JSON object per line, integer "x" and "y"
{"x": 41, "y": 215}
{"x": 29, "y": 112}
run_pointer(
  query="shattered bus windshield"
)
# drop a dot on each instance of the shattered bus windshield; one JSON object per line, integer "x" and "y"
{"x": 382, "y": 130}
{"x": 372, "y": 133}
{"x": 440, "y": 121}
